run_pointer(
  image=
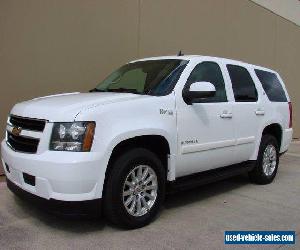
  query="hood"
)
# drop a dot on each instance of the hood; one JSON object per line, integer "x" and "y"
{"x": 65, "y": 107}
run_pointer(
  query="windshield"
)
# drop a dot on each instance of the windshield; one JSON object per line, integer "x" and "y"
{"x": 153, "y": 77}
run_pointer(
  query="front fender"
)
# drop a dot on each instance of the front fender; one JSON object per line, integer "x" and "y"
{"x": 140, "y": 132}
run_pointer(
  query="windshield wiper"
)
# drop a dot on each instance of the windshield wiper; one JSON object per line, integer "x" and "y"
{"x": 97, "y": 90}
{"x": 119, "y": 90}
{"x": 124, "y": 90}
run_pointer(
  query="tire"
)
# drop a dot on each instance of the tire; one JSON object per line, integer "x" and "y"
{"x": 123, "y": 169}
{"x": 259, "y": 174}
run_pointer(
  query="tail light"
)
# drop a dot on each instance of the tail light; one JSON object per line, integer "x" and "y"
{"x": 291, "y": 115}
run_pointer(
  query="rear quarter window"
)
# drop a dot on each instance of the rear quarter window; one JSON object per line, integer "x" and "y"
{"x": 271, "y": 85}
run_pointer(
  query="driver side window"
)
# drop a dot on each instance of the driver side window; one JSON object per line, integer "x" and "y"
{"x": 209, "y": 72}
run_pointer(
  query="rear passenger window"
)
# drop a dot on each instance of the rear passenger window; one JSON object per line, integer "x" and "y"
{"x": 209, "y": 72}
{"x": 271, "y": 85}
{"x": 242, "y": 84}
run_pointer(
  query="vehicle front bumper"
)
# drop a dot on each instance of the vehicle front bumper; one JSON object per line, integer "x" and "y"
{"x": 62, "y": 176}
{"x": 69, "y": 208}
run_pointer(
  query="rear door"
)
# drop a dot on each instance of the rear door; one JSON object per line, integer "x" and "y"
{"x": 248, "y": 111}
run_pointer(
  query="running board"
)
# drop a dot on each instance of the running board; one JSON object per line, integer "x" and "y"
{"x": 206, "y": 177}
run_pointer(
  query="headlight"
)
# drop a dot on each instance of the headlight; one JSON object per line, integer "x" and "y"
{"x": 72, "y": 136}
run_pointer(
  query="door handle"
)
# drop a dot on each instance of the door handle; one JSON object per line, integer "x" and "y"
{"x": 260, "y": 112}
{"x": 226, "y": 115}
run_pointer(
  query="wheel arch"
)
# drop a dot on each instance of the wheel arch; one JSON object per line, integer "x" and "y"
{"x": 156, "y": 143}
{"x": 274, "y": 129}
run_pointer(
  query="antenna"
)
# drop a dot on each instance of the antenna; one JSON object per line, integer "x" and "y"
{"x": 180, "y": 53}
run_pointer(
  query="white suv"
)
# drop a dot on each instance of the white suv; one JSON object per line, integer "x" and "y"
{"x": 154, "y": 123}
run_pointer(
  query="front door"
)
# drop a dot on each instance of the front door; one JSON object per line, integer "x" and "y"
{"x": 205, "y": 129}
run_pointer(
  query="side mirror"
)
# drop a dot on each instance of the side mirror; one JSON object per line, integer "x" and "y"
{"x": 198, "y": 90}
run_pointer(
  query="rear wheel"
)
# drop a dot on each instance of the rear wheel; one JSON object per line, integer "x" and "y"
{"x": 267, "y": 161}
{"x": 135, "y": 189}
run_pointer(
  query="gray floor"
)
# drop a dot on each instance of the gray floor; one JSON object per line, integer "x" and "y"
{"x": 194, "y": 219}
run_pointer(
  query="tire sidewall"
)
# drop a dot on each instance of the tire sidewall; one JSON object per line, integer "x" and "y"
{"x": 124, "y": 165}
{"x": 266, "y": 141}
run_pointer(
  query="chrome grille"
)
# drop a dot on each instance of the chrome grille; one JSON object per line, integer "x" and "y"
{"x": 22, "y": 144}
{"x": 27, "y": 123}
{"x": 16, "y": 140}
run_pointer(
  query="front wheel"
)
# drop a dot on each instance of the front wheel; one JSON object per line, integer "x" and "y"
{"x": 267, "y": 161}
{"x": 135, "y": 189}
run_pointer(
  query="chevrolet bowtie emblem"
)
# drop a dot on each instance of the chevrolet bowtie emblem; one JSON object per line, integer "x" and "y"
{"x": 16, "y": 131}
